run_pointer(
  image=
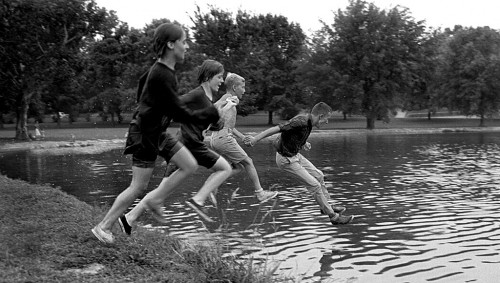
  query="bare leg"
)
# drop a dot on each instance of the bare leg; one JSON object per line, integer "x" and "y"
{"x": 222, "y": 171}
{"x": 154, "y": 199}
{"x": 140, "y": 180}
{"x": 252, "y": 173}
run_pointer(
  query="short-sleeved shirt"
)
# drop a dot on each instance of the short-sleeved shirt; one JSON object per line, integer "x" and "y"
{"x": 294, "y": 134}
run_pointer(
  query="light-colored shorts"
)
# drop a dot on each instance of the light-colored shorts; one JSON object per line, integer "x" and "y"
{"x": 226, "y": 145}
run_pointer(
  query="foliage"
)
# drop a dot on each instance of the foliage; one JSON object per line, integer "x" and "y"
{"x": 72, "y": 56}
{"x": 41, "y": 44}
{"x": 366, "y": 59}
{"x": 261, "y": 48}
{"x": 470, "y": 70}
{"x": 426, "y": 80}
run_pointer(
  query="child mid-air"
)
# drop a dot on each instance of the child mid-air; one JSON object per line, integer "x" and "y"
{"x": 224, "y": 142}
{"x": 293, "y": 137}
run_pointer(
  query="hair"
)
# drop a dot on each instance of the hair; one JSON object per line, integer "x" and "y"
{"x": 208, "y": 69}
{"x": 233, "y": 79}
{"x": 165, "y": 33}
{"x": 321, "y": 108}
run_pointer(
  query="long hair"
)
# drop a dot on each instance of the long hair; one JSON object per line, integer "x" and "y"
{"x": 208, "y": 69}
{"x": 165, "y": 33}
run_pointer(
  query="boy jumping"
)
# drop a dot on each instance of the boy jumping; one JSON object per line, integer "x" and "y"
{"x": 293, "y": 138}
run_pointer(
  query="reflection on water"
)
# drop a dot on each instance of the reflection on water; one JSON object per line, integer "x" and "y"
{"x": 426, "y": 206}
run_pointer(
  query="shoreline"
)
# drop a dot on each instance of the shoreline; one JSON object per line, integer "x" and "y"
{"x": 46, "y": 238}
{"x": 99, "y": 144}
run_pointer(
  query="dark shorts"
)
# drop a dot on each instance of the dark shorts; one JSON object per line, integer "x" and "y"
{"x": 203, "y": 155}
{"x": 145, "y": 156}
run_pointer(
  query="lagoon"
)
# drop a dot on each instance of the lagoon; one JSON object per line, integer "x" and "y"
{"x": 426, "y": 205}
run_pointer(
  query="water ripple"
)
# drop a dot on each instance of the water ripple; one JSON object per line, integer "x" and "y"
{"x": 426, "y": 207}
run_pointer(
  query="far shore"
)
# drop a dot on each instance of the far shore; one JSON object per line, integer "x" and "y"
{"x": 93, "y": 137}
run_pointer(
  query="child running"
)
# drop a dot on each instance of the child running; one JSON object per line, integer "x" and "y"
{"x": 210, "y": 77}
{"x": 191, "y": 134}
{"x": 293, "y": 138}
{"x": 147, "y": 137}
{"x": 223, "y": 141}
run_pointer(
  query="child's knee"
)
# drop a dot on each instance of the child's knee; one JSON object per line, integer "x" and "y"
{"x": 314, "y": 188}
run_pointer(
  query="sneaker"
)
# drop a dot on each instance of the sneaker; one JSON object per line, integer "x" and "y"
{"x": 264, "y": 196}
{"x": 200, "y": 210}
{"x": 102, "y": 236}
{"x": 336, "y": 208}
{"x": 126, "y": 228}
{"x": 339, "y": 219}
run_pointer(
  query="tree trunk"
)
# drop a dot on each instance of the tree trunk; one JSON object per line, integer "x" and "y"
{"x": 270, "y": 118}
{"x": 481, "y": 121}
{"x": 22, "y": 118}
{"x": 429, "y": 115}
{"x": 370, "y": 123}
{"x": 345, "y": 115}
{"x": 58, "y": 119}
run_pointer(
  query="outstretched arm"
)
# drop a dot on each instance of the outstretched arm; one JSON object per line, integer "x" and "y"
{"x": 238, "y": 134}
{"x": 269, "y": 132}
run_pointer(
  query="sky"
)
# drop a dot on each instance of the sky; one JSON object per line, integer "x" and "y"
{"x": 307, "y": 13}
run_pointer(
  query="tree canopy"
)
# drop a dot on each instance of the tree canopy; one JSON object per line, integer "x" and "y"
{"x": 73, "y": 56}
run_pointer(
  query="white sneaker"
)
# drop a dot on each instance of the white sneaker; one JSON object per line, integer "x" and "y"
{"x": 104, "y": 237}
{"x": 264, "y": 196}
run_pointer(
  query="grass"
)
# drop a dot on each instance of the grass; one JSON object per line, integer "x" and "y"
{"x": 82, "y": 130}
{"x": 46, "y": 238}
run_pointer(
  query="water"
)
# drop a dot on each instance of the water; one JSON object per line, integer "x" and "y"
{"x": 426, "y": 206}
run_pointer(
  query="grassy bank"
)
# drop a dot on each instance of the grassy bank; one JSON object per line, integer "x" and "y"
{"x": 45, "y": 237}
{"x": 83, "y": 130}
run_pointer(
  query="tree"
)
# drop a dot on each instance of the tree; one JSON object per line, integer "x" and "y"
{"x": 470, "y": 70}
{"x": 261, "y": 48}
{"x": 370, "y": 56}
{"x": 40, "y": 44}
{"x": 427, "y": 80}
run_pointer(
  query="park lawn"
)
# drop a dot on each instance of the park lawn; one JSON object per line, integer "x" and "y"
{"x": 95, "y": 130}
{"x": 45, "y": 237}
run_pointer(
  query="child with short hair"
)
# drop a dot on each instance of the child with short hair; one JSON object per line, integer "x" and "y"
{"x": 293, "y": 138}
{"x": 223, "y": 140}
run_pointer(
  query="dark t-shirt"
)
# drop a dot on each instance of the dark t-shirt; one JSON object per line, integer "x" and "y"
{"x": 294, "y": 134}
{"x": 192, "y": 132}
{"x": 159, "y": 102}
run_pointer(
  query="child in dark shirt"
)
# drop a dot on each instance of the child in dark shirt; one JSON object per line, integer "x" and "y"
{"x": 191, "y": 134}
{"x": 293, "y": 138}
{"x": 147, "y": 138}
